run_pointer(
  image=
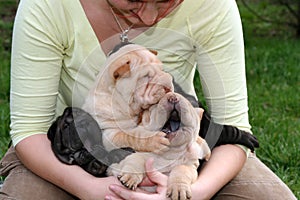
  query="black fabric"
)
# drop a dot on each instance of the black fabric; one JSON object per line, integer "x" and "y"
{"x": 118, "y": 46}
{"x": 76, "y": 139}
{"x": 217, "y": 134}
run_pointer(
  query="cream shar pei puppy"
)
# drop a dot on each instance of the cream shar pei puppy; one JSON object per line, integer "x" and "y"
{"x": 175, "y": 115}
{"x": 135, "y": 106}
{"x": 132, "y": 81}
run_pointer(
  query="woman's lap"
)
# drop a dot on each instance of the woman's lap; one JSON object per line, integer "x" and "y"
{"x": 22, "y": 184}
{"x": 255, "y": 181}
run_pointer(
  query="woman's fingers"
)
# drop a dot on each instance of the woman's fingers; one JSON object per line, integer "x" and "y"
{"x": 124, "y": 193}
{"x": 154, "y": 176}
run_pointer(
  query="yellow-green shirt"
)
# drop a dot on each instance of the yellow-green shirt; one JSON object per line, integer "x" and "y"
{"x": 56, "y": 57}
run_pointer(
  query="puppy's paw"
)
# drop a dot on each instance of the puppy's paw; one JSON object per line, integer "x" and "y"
{"x": 179, "y": 191}
{"x": 131, "y": 180}
{"x": 158, "y": 143}
{"x": 249, "y": 141}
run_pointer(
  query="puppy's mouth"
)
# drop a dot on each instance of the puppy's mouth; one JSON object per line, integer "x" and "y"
{"x": 172, "y": 124}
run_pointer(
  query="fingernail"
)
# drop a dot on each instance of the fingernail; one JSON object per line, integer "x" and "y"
{"x": 112, "y": 187}
{"x": 107, "y": 198}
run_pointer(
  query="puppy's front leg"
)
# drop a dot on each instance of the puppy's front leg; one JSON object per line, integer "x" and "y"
{"x": 180, "y": 181}
{"x": 142, "y": 140}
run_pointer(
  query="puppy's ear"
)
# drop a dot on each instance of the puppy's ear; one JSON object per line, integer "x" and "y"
{"x": 122, "y": 71}
{"x": 153, "y": 51}
{"x": 200, "y": 112}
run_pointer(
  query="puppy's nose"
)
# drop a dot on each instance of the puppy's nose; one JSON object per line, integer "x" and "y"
{"x": 173, "y": 99}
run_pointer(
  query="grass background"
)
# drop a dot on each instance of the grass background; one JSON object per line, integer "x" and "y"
{"x": 7, "y": 11}
{"x": 273, "y": 75}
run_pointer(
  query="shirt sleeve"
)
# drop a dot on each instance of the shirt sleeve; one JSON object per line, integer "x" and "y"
{"x": 37, "y": 54}
{"x": 220, "y": 62}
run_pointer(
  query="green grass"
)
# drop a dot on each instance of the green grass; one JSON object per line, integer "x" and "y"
{"x": 273, "y": 68}
{"x": 273, "y": 80}
{"x": 269, "y": 12}
{"x": 7, "y": 10}
{"x": 273, "y": 76}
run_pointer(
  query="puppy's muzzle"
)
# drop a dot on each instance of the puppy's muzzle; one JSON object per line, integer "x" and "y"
{"x": 173, "y": 122}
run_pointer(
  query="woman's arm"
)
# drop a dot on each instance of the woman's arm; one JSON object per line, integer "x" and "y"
{"x": 225, "y": 163}
{"x": 36, "y": 154}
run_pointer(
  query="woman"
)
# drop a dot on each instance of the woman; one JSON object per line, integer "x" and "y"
{"x": 59, "y": 47}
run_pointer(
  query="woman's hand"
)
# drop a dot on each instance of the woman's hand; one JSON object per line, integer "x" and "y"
{"x": 154, "y": 178}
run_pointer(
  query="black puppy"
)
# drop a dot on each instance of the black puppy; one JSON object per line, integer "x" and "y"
{"x": 76, "y": 139}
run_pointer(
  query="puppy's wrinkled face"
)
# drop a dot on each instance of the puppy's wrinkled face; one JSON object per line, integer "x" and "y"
{"x": 175, "y": 116}
{"x": 139, "y": 78}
